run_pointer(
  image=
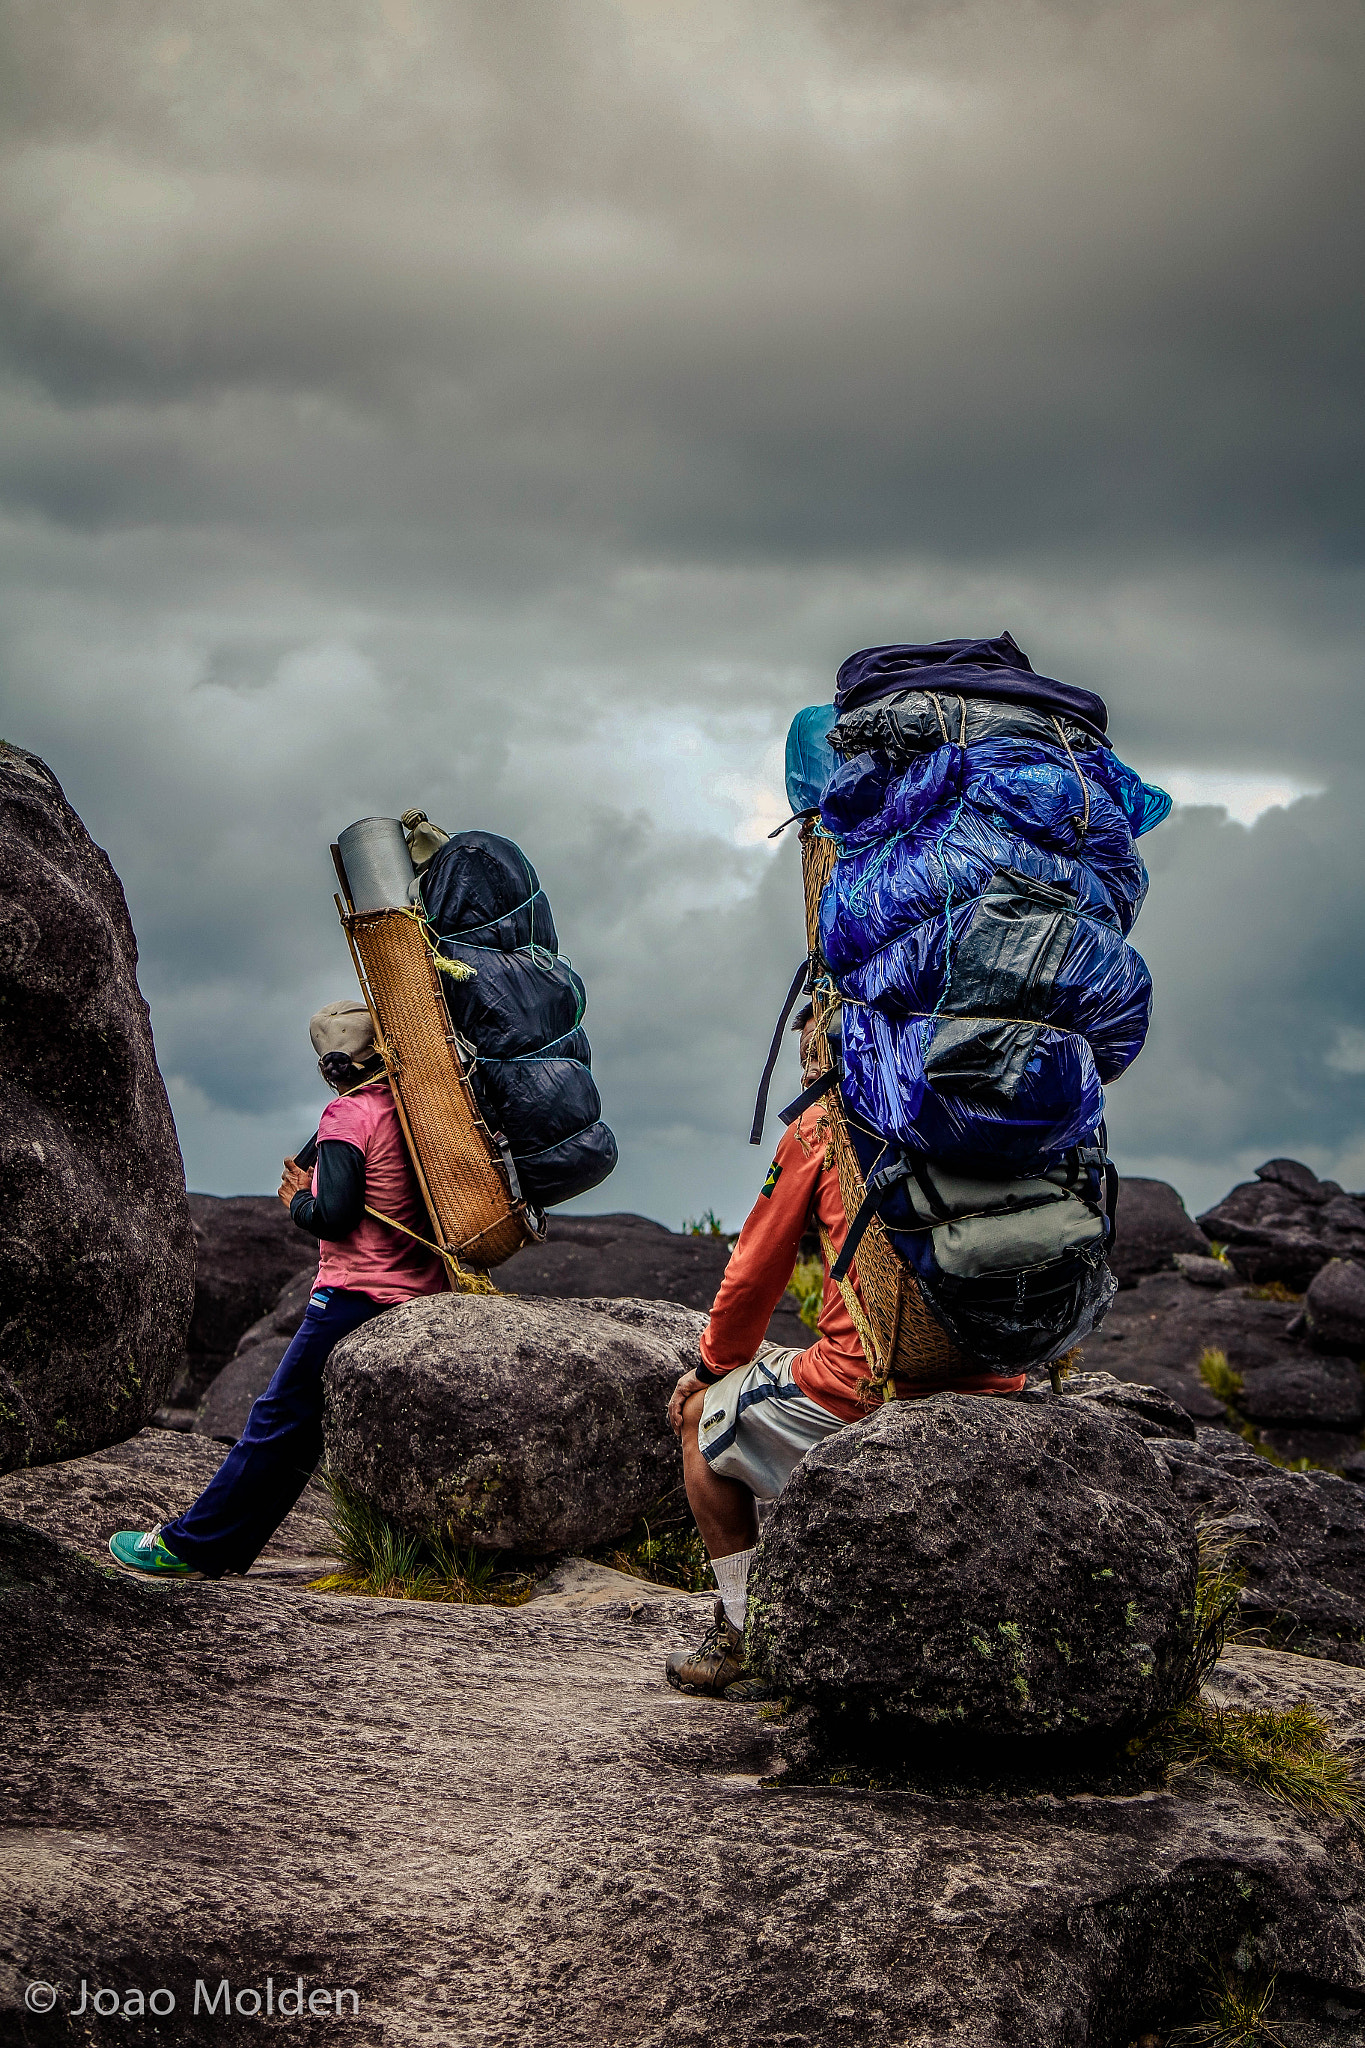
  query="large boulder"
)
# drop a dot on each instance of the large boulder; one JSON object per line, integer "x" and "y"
{"x": 529, "y": 1426}
{"x": 979, "y": 1568}
{"x": 247, "y": 1248}
{"x": 96, "y": 1257}
{"x": 1286, "y": 1224}
{"x": 1334, "y": 1308}
{"x": 589, "y": 1258}
{"x": 1311, "y": 1393}
{"x": 1152, "y": 1226}
{"x": 1300, "y": 1536}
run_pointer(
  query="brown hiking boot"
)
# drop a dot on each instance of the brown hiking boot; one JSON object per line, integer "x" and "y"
{"x": 717, "y": 1665}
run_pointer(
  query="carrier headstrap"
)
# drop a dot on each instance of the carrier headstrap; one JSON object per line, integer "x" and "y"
{"x": 817, "y": 1088}
{"x": 761, "y": 1106}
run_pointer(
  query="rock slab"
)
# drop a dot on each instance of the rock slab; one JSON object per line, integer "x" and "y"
{"x": 502, "y": 1827}
{"x": 96, "y": 1257}
{"x": 1334, "y": 1308}
{"x": 589, "y": 1258}
{"x": 1153, "y": 1227}
{"x": 530, "y": 1426}
{"x": 980, "y": 1568}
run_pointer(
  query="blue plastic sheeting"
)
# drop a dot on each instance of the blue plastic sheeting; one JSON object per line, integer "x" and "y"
{"x": 975, "y": 924}
{"x": 1058, "y": 1105}
{"x": 810, "y": 758}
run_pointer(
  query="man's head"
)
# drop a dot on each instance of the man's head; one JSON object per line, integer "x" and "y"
{"x": 804, "y": 1022}
{"x": 343, "y": 1039}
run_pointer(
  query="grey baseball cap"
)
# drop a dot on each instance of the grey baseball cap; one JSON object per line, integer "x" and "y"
{"x": 344, "y": 1026}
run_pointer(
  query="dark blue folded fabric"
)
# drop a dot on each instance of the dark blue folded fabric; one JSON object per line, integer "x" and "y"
{"x": 969, "y": 668}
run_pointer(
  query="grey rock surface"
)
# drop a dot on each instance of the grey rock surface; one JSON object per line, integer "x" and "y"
{"x": 1334, "y": 1308}
{"x": 223, "y": 1412}
{"x": 246, "y": 1251}
{"x": 1156, "y": 1333}
{"x": 1312, "y": 1393}
{"x": 592, "y": 1257}
{"x": 980, "y": 1568}
{"x": 501, "y": 1826}
{"x": 1152, "y": 1227}
{"x": 96, "y": 1258}
{"x": 1286, "y": 1224}
{"x": 247, "y": 1374}
{"x": 1204, "y": 1272}
{"x": 1144, "y": 1410}
{"x": 524, "y": 1425}
{"x": 1301, "y": 1542}
{"x": 623, "y": 1255}
{"x": 152, "y": 1477}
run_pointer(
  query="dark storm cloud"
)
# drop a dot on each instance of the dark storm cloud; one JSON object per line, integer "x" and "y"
{"x": 522, "y": 410}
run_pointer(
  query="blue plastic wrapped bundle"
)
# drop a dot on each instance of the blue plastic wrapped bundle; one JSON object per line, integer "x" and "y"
{"x": 975, "y": 927}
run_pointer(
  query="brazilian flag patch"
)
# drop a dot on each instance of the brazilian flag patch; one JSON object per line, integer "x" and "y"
{"x": 774, "y": 1176}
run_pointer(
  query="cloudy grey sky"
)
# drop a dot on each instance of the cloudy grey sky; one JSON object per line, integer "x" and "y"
{"x": 520, "y": 409}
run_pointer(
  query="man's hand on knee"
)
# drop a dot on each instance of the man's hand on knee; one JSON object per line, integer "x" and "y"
{"x": 687, "y": 1386}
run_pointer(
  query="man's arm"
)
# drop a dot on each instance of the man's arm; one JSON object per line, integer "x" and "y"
{"x": 762, "y": 1261}
{"x": 339, "y": 1204}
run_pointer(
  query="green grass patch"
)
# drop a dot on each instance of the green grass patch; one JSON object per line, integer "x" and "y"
{"x": 664, "y": 1549}
{"x": 708, "y": 1224}
{"x": 1219, "y": 1377}
{"x": 1235, "y": 2010}
{"x": 1216, "y": 1594}
{"x": 807, "y": 1288}
{"x": 393, "y": 1564}
{"x": 1274, "y": 1290}
{"x": 1288, "y": 1752}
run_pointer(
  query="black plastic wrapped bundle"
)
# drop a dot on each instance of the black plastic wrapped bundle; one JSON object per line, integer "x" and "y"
{"x": 521, "y": 1009}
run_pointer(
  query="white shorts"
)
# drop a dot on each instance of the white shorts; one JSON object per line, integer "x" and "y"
{"x": 757, "y": 1425}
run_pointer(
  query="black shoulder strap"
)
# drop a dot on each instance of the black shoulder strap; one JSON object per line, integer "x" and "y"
{"x": 829, "y": 1079}
{"x": 857, "y": 1231}
{"x": 761, "y": 1106}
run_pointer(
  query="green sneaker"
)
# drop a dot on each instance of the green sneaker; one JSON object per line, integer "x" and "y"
{"x": 145, "y": 1552}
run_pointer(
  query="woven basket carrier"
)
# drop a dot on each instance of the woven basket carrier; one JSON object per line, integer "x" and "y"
{"x": 902, "y": 1339}
{"x": 475, "y": 1219}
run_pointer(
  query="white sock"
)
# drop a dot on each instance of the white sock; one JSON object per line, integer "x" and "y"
{"x": 732, "y": 1582}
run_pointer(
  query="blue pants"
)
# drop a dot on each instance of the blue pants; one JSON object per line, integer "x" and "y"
{"x": 273, "y": 1459}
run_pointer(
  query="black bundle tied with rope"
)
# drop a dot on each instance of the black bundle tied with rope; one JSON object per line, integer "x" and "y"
{"x": 517, "y": 1007}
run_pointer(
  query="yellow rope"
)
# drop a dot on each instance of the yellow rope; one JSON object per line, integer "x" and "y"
{"x": 879, "y": 1379}
{"x": 461, "y": 1280}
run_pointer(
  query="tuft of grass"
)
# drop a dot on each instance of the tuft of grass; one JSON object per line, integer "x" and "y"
{"x": 1234, "y": 2016}
{"x": 708, "y": 1224}
{"x": 393, "y": 1564}
{"x": 1216, "y": 1594}
{"x": 1219, "y": 1377}
{"x": 1274, "y": 1290}
{"x": 664, "y": 1556}
{"x": 807, "y": 1285}
{"x": 1288, "y": 1752}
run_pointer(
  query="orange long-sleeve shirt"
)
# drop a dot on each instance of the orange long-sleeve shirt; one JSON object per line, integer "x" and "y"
{"x": 800, "y": 1192}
